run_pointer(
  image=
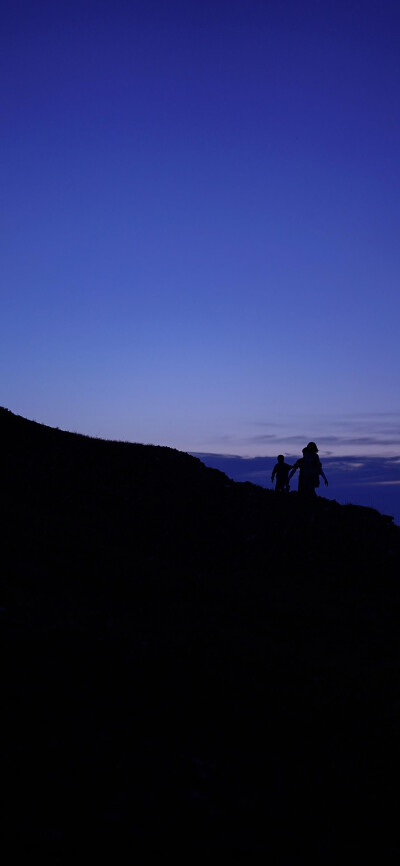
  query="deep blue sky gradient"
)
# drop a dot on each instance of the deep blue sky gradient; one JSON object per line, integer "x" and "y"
{"x": 199, "y": 222}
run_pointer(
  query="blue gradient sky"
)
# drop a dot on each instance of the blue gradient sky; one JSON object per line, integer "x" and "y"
{"x": 200, "y": 222}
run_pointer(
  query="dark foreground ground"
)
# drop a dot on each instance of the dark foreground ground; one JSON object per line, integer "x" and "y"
{"x": 191, "y": 667}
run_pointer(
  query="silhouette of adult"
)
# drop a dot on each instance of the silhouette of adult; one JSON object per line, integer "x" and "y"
{"x": 310, "y": 469}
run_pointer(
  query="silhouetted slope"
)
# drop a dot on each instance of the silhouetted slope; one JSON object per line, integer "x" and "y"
{"x": 193, "y": 666}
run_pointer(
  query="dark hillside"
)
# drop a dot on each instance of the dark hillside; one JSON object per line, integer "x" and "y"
{"x": 192, "y": 666}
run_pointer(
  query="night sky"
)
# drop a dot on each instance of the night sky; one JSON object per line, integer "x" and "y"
{"x": 200, "y": 208}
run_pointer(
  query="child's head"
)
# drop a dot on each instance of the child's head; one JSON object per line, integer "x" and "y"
{"x": 281, "y": 458}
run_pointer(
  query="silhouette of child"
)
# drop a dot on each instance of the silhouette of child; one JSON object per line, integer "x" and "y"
{"x": 281, "y": 470}
{"x": 310, "y": 468}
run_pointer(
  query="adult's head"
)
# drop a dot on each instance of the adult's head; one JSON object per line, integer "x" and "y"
{"x": 281, "y": 458}
{"x": 312, "y": 448}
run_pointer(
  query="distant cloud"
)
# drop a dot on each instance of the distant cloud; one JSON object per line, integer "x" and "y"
{"x": 355, "y": 434}
{"x": 322, "y": 440}
{"x": 364, "y": 430}
{"x": 353, "y": 415}
{"x": 266, "y": 437}
{"x": 386, "y": 482}
{"x": 370, "y": 440}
